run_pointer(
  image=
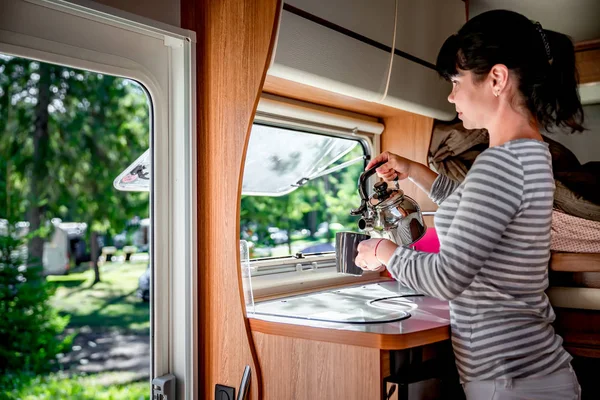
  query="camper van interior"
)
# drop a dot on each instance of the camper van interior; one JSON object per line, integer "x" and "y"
{"x": 256, "y": 103}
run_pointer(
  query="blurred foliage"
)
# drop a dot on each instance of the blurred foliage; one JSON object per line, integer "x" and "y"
{"x": 328, "y": 199}
{"x": 62, "y": 386}
{"x": 30, "y": 327}
{"x": 96, "y": 126}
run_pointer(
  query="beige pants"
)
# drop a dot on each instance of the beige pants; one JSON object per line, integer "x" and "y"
{"x": 560, "y": 385}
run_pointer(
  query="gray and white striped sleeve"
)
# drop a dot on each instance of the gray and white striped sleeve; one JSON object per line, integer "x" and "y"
{"x": 491, "y": 197}
{"x": 441, "y": 188}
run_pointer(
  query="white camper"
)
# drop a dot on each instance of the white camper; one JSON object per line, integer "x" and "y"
{"x": 57, "y": 251}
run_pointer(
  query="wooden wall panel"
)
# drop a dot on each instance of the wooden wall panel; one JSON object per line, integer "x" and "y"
{"x": 235, "y": 40}
{"x": 303, "y": 369}
{"x": 299, "y": 91}
{"x": 588, "y": 63}
{"x": 587, "y": 55}
{"x": 409, "y": 135}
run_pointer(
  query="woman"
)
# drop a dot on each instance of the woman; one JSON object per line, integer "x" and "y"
{"x": 513, "y": 78}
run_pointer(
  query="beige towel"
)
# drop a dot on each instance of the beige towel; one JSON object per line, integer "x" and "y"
{"x": 453, "y": 149}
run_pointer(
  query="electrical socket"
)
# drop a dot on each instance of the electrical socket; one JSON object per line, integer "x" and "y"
{"x": 223, "y": 392}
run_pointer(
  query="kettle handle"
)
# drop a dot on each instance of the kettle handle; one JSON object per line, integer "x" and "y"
{"x": 362, "y": 188}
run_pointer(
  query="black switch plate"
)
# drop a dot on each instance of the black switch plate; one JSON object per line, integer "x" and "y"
{"x": 224, "y": 392}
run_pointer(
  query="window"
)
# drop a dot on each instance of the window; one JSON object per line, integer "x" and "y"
{"x": 299, "y": 186}
{"x": 78, "y": 233}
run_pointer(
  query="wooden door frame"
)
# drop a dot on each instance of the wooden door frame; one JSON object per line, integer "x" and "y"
{"x": 235, "y": 40}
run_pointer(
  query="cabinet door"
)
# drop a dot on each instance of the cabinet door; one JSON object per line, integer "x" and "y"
{"x": 419, "y": 89}
{"x": 371, "y": 19}
{"x": 424, "y": 25}
{"x": 314, "y": 54}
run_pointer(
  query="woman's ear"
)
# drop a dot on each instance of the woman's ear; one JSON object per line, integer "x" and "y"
{"x": 498, "y": 79}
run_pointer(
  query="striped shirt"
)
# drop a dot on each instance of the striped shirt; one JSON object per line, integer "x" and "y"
{"x": 494, "y": 231}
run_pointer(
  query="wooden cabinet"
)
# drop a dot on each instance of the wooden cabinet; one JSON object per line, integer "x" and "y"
{"x": 346, "y": 48}
{"x": 309, "y": 359}
{"x": 299, "y": 369}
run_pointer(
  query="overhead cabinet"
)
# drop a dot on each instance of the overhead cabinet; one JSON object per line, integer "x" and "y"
{"x": 345, "y": 47}
{"x": 310, "y": 53}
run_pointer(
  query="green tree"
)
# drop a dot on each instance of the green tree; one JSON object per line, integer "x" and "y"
{"x": 65, "y": 135}
{"x": 16, "y": 116}
{"x": 109, "y": 131}
{"x": 326, "y": 199}
{"x": 29, "y": 331}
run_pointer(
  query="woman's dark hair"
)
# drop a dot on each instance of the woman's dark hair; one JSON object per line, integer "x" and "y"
{"x": 542, "y": 60}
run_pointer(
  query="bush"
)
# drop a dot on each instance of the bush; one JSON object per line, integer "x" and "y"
{"x": 80, "y": 387}
{"x": 30, "y": 328}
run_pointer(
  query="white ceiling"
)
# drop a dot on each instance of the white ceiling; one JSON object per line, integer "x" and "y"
{"x": 580, "y": 19}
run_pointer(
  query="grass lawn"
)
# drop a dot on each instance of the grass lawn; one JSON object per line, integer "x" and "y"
{"x": 59, "y": 386}
{"x": 109, "y": 304}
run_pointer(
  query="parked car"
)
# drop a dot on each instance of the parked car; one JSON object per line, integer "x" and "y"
{"x": 318, "y": 248}
{"x": 324, "y": 227}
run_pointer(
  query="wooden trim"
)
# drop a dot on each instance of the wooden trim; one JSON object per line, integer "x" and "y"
{"x": 575, "y": 262}
{"x": 409, "y": 135}
{"x": 587, "y": 45}
{"x": 587, "y": 58}
{"x": 581, "y": 351}
{"x": 235, "y": 39}
{"x": 241, "y": 296}
{"x": 364, "y": 339}
{"x": 298, "y": 91}
{"x": 588, "y": 65}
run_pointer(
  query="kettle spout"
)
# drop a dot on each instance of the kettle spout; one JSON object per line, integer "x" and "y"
{"x": 366, "y": 224}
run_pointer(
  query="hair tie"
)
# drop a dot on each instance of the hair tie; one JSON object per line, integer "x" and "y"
{"x": 539, "y": 28}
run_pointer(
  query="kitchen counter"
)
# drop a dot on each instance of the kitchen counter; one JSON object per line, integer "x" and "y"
{"x": 306, "y": 317}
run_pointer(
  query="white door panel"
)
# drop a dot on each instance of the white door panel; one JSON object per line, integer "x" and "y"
{"x": 89, "y": 36}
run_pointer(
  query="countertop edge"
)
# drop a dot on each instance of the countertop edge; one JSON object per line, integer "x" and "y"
{"x": 399, "y": 341}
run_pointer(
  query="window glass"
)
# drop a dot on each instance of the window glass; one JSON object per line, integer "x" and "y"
{"x": 279, "y": 160}
{"x": 75, "y": 293}
{"x": 282, "y": 213}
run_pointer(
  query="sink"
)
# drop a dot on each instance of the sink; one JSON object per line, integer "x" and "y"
{"x": 366, "y": 304}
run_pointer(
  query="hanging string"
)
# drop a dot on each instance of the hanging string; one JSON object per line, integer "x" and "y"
{"x": 389, "y": 75}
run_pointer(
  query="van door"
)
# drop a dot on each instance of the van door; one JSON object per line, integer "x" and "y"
{"x": 160, "y": 58}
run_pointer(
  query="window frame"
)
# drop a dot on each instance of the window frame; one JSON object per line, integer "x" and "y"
{"x": 277, "y": 284}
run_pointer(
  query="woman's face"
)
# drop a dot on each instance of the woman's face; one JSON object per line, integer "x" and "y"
{"x": 473, "y": 100}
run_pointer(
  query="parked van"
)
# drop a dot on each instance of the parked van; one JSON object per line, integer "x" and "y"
{"x": 67, "y": 241}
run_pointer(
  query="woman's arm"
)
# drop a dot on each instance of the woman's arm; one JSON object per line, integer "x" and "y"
{"x": 397, "y": 167}
{"x": 487, "y": 206}
{"x": 422, "y": 176}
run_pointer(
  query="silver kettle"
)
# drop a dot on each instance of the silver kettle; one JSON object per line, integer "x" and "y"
{"x": 388, "y": 213}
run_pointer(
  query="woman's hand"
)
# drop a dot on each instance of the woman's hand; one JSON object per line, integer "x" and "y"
{"x": 373, "y": 254}
{"x": 395, "y": 166}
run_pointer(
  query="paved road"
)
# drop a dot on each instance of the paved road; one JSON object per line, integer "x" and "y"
{"x": 95, "y": 352}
